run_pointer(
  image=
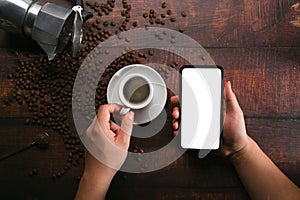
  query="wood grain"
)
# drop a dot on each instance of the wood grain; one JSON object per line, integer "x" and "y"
{"x": 257, "y": 43}
{"x": 215, "y": 23}
{"x": 187, "y": 176}
{"x": 265, "y": 80}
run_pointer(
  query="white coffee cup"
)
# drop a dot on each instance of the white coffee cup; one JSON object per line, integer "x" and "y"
{"x": 135, "y": 92}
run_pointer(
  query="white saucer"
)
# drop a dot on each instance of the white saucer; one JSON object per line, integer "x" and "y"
{"x": 154, "y": 108}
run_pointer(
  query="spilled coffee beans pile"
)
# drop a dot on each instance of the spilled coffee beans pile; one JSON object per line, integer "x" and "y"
{"x": 161, "y": 18}
{"x": 45, "y": 87}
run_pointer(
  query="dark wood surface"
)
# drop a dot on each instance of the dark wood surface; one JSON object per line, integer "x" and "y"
{"x": 257, "y": 43}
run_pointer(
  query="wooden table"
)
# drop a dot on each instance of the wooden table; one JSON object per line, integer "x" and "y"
{"x": 257, "y": 42}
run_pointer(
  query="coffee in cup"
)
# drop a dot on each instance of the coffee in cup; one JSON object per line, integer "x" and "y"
{"x": 135, "y": 91}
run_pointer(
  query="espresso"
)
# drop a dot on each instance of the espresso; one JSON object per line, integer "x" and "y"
{"x": 136, "y": 90}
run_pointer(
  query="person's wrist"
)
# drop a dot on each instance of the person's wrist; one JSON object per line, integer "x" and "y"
{"x": 96, "y": 169}
{"x": 99, "y": 174}
{"x": 99, "y": 169}
{"x": 244, "y": 153}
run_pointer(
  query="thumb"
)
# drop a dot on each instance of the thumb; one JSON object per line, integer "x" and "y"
{"x": 231, "y": 100}
{"x": 126, "y": 126}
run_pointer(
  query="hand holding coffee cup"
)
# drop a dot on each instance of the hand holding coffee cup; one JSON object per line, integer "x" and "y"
{"x": 135, "y": 92}
{"x": 148, "y": 101}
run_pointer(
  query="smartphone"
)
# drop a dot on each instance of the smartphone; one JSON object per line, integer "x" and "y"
{"x": 202, "y": 105}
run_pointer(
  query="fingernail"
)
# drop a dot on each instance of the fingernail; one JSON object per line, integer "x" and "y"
{"x": 131, "y": 115}
{"x": 229, "y": 84}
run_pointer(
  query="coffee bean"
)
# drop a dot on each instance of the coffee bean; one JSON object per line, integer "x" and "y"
{"x": 157, "y": 21}
{"x": 27, "y": 122}
{"x": 112, "y": 23}
{"x": 151, "y": 52}
{"x": 128, "y": 15}
{"x": 123, "y": 13}
{"x": 183, "y": 13}
{"x": 62, "y": 172}
{"x": 105, "y": 23}
{"x": 145, "y": 15}
{"x": 46, "y": 86}
{"x": 30, "y": 173}
{"x": 135, "y": 24}
{"x": 88, "y": 3}
{"x": 68, "y": 165}
{"x": 153, "y": 15}
{"x": 173, "y": 19}
{"x": 141, "y": 54}
{"x": 181, "y": 29}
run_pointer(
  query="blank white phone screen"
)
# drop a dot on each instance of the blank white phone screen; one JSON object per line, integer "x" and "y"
{"x": 201, "y": 93}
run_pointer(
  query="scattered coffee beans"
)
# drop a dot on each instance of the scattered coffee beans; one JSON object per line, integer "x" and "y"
{"x": 45, "y": 87}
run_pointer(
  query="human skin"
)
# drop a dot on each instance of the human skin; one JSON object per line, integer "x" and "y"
{"x": 98, "y": 176}
{"x": 260, "y": 176}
